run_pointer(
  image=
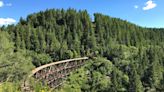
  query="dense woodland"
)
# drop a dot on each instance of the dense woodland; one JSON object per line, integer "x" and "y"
{"x": 129, "y": 58}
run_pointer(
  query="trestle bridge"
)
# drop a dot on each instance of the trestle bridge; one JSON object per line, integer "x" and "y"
{"x": 54, "y": 73}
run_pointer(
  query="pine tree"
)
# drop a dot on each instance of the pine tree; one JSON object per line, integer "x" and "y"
{"x": 27, "y": 39}
{"x": 135, "y": 82}
{"x": 41, "y": 38}
{"x": 18, "y": 40}
{"x": 115, "y": 83}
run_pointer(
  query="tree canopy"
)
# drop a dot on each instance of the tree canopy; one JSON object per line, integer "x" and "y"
{"x": 130, "y": 57}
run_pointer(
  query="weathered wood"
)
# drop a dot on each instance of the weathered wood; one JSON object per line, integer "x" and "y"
{"x": 54, "y": 73}
{"x": 55, "y": 63}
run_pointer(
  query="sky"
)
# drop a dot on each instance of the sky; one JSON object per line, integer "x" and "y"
{"x": 146, "y": 13}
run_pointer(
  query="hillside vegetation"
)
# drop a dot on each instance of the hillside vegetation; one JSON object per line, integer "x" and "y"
{"x": 130, "y": 58}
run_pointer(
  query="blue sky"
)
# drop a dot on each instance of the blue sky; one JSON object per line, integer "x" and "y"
{"x": 149, "y": 13}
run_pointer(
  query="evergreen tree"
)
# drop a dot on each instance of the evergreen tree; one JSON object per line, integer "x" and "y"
{"x": 136, "y": 84}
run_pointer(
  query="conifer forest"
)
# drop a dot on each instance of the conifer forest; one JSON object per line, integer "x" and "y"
{"x": 123, "y": 56}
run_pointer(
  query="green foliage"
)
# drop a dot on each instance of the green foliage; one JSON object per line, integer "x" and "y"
{"x": 68, "y": 54}
{"x": 39, "y": 87}
{"x": 90, "y": 78}
{"x": 136, "y": 84}
{"x": 6, "y": 45}
{"x": 9, "y": 87}
{"x": 14, "y": 65}
{"x": 39, "y": 59}
{"x": 134, "y": 54}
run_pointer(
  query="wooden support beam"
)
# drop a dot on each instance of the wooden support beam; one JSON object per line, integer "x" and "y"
{"x": 54, "y": 73}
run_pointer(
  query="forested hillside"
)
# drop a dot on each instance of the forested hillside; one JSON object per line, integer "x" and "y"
{"x": 130, "y": 57}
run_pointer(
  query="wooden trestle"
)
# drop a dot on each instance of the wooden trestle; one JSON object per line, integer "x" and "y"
{"x": 54, "y": 73}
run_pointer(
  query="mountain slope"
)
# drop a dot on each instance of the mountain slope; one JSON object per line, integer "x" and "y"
{"x": 135, "y": 52}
